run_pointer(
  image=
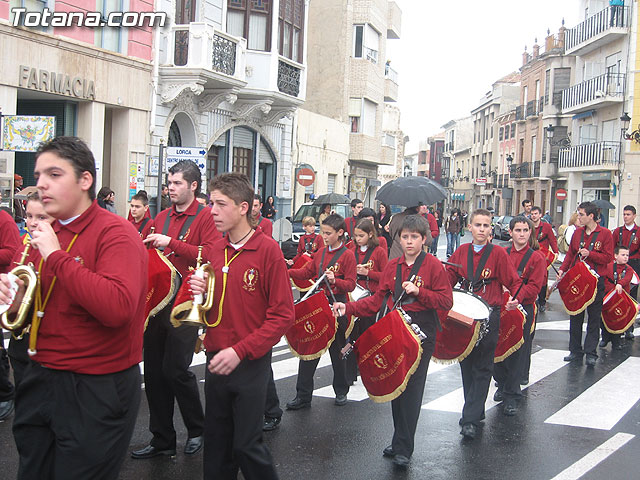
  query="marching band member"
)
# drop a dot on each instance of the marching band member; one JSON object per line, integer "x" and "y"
{"x": 168, "y": 351}
{"x": 9, "y": 244}
{"x": 310, "y": 242}
{"x": 248, "y": 265}
{"x": 78, "y": 401}
{"x": 430, "y": 291}
{"x": 629, "y": 235}
{"x": 369, "y": 214}
{"x": 594, "y": 244}
{"x": 18, "y": 346}
{"x": 485, "y": 269}
{"x": 531, "y": 267}
{"x": 547, "y": 241}
{"x": 139, "y": 206}
{"x": 620, "y": 276}
{"x": 262, "y": 223}
{"x": 339, "y": 264}
{"x": 356, "y": 208}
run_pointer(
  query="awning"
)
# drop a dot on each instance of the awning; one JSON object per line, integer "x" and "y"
{"x": 589, "y": 113}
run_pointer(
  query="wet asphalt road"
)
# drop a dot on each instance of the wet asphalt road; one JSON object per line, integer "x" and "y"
{"x": 545, "y": 440}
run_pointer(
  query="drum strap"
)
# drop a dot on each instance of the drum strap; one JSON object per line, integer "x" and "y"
{"x": 615, "y": 273}
{"x": 332, "y": 262}
{"x": 142, "y": 224}
{"x": 633, "y": 236}
{"x": 397, "y": 290}
{"x": 540, "y": 236}
{"x": 523, "y": 262}
{"x": 308, "y": 242}
{"x": 590, "y": 247}
{"x": 367, "y": 255}
{"x": 185, "y": 226}
{"x": 473, "y": 277}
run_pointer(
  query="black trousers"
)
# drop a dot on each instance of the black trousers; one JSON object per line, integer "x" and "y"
{"x": 509, "y": 372}
{"x": 594, "y": 318}
{"x": 307, "y": 368}
{"x": 272, "y": 405}
{"x": 406, "y": 408}
{"x": 74, "y": 426}
{"x": 168, "y": 352}
{"x": 477, "y": 370}
{"x": 7, "y": 391}
{"x": 542, "y": 296}
{"x": 233, "y": 425}
{"x": 19, "y": 357}
{"x": 528, "y": 344}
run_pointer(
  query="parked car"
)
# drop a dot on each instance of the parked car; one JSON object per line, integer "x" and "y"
{"x": 290, "y": 247}
{"x": 501, "y": 227}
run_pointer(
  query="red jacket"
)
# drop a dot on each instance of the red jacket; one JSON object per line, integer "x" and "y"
{"x": 314, "y": 241}
{"x": 601, "y": 254}
{"x": 534, "y": 274}
{"x": 625, "y": 275}
{"x": 258, "y": 304}
{"x": 434, "y": 291}
{"x": 634, "y": 247}
{"x": 94, "y": 319}
{"x": 545, "y": 236}
{"x": 142, "y": 231}
{"x": 201, "y": 232}
{"x": 351, "y": 224}
{"x": 433, "y": 225}
{"x": 344, "y": 269}
{"x": 9, "y": 241}
{"x": 378, "y": 261}
{"x": 266, "y": 226}
{"x": 498, "y": 272}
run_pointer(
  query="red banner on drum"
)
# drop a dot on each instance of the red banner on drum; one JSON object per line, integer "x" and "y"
{"x": 388, "y": 354}
{"x": 578, "y": 288}
{"x": 302, "y": 285}
{"x": 510, "y": 336}
{"x": 619, "y": 312}
{"x": 314, "y": 329}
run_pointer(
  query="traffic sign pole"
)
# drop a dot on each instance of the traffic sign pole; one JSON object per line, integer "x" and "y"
{"x": 159, "y": 196}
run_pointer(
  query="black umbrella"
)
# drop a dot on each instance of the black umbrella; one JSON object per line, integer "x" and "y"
{"x": 411, "y": 192}
{"x": 331, "y": 198}
{"x": 604, "y": 204}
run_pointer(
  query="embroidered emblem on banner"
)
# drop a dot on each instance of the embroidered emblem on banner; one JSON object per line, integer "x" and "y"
{"x": 380, "y": 361}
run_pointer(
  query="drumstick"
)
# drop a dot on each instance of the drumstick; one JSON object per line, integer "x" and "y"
{"x": 324, "y": 276}
{"x": 314, "y": 287}
{"x": 451, "y": 264}
{"x": 395, "y": 305}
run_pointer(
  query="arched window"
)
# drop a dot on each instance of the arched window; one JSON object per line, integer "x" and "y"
{"x": 291, "y": 34}
{"x": 251, "y": 19}
{"x": 175, "y": 139}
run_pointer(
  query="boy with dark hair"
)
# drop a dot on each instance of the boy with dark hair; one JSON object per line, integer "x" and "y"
{"x": 429, "y": 291}
{"x": 594, "y": 245}
{"x": 310, "y": 242}
{"x": 90, "y": 323}
{"x": 356, "y": 207}
{"x": 139, "y": 206}
{"x": 526, "y": 208}
{"x": 484, "y": 269}
{"x": 253, "y": 309}
{"x": 629, "y": 235}
{"x": 543, "y": 233}
{"x": 339, "y": 264}
{"x": 258, "y": 220}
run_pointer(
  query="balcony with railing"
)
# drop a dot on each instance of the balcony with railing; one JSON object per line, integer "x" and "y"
{"x": 199, "y": 53}
{"x": 520, "y": 113}
{"x": 532, "y": 108}
{"x": 605, "y": 26}
{"x": 590, "y": 156}
{"x": 390, "y": 84}
{"x": 600, "y": 91}
{"x": 394, "y": 21}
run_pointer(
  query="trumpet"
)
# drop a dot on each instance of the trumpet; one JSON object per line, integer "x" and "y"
{"x": 27, "y": 274}
{"x": 200, "y": 307}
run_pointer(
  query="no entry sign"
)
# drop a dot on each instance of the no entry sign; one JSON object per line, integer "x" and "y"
{"x": 305, "y": 177}
{"x": 561, "y": 194}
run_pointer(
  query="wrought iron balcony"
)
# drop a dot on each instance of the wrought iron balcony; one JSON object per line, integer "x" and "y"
{"x": 520, "y": 112}
{"x": 598, "y": 91}
{"x": 536, "y": 169}
{"x": 521, "y": 170}
{"x": 288, "y": 78}
{"x": 597, "y": 30}
{"x": 588, "y": 155}
{"x": 532, "y": 108}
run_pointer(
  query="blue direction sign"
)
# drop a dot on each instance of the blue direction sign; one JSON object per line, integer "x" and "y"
{"x": 196, "y": 154}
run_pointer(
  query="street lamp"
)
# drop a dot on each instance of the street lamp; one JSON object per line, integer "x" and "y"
{"x": 459, "y": 174}
{"x": 563, "y": 142}
{"x": 625, "y": 120}
{"x": 483, "y": 170}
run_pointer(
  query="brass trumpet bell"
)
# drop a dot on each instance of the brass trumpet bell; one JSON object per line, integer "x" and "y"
{"x": 27, "y": 274}
{"x": 198, "y": 311}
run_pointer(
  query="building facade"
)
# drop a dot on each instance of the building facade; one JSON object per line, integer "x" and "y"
{"x": 458, "y": 135}
{"x": 94, "y": 81}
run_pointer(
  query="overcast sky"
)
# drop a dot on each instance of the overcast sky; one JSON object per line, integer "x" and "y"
{"x": 450, "y": 52}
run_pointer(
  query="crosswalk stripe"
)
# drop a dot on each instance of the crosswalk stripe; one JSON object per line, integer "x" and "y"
{"x": 543, "y": 364}
{"x": 593, "y": 458}
{"x": 289, "y": 367}
{"x": 603, "y": 404}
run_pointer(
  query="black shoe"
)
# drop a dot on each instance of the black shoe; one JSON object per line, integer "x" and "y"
{"x": 603, "y": 343}
{"x": 341, "y": 400}
{"x": 193, "y": 445}
{"x": 469, "y": 430}
{"x": 498, "y": 397}
{"x": 6, "y": 408}
{"x": 572, "y": 357}
{"x": 481, "y": 419}
{"x": 150, "y": 451}
{"x": 590, "y": 361}
{"x": 401, "y": 461}
{"x": 297, "y": 403}
{"x": 388, "y": 452}
{"x": 510, "y": 408}
{"x": 270, "y": 423}
{"x": 524, "y": 381}
{"x": 629, "y": 335}
{"x": 542, "y": 307}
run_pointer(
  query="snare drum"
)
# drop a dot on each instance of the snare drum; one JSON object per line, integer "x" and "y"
{"x": 358, "y": 293}
{"x": 462, "y": 327}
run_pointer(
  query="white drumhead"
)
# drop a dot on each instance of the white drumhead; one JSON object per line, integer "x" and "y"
{"x": 359, "y": 292}
{"x": 12, "y": 292}
{"x": 469, "y": 305}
